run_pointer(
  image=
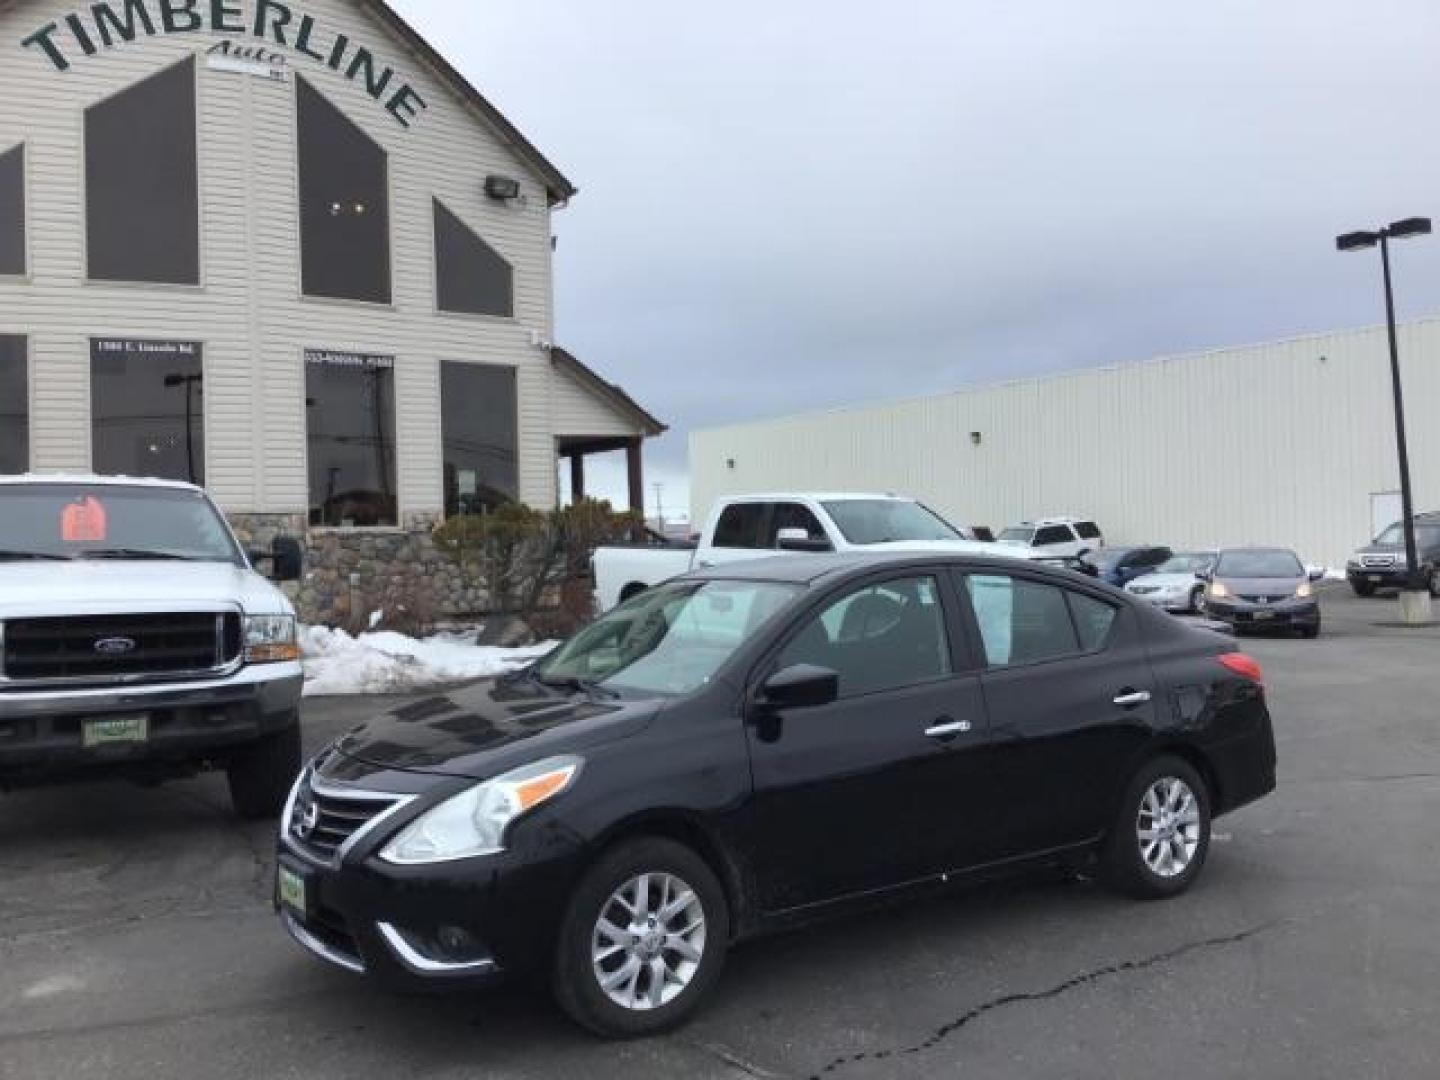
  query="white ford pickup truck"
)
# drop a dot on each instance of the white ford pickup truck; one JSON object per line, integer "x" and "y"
{"x": 137, "y": 641}
{"x": 755, "y": 526}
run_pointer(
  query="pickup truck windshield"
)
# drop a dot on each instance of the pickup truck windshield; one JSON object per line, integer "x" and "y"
{"x": 76, "y": 521}
{"x": 885, "y": 521}
{"x": 669, "y": 640}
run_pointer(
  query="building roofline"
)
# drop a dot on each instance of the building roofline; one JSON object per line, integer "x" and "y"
{"x": 614, "y": 396}
{"x": 557, "y": 185}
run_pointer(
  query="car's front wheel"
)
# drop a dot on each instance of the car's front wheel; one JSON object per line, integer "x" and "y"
{"x": 1161, "y": 835}
{"x": 262, "y": 773}
{"x": 643, "y": 939}
{"x": 1363, "y": 589}
{"x": 1197, "y": 600}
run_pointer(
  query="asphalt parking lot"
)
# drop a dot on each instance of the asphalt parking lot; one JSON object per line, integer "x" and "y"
{"x": 136, "y": 938}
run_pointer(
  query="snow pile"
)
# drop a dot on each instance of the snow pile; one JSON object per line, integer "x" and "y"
{"x": 389, "y": 663}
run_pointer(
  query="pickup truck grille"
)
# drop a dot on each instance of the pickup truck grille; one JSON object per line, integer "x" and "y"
{"x": 97, "y": 648}
{"x": 321, "y": 821}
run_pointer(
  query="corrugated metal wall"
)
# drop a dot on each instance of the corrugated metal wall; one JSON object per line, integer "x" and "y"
{"x": 1281, "y": 443}
{"x": 248, "y": 311}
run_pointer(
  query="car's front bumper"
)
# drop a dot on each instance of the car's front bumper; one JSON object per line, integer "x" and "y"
{"x": 1292, "y": 614}
{"x": 1170, "y": 601}
{"x": 41, "y": 730}
{"x": 459, "y": 924}
{"x": 1378, "y": 577}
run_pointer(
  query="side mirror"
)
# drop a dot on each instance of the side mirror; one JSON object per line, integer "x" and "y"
{"x": 1205, "y": 574}
{"x": 287, "y": 559}
{"x": 1316, "y": 574}
{"x": 799, "y": 540}
{"x": 800, "y": 687}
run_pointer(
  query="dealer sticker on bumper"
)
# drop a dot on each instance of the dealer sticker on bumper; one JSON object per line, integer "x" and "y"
{"x": 292, "y": 889}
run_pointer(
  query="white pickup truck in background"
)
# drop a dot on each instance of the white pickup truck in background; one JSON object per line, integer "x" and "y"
{"x": 755, "y": 526}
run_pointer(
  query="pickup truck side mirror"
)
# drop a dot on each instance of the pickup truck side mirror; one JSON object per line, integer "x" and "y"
{"x": 800, "y": 540}
{"x": 287, "y": 559}
{"x": 802, "y": 686}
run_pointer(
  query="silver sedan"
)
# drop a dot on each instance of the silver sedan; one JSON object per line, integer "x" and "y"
{"x": 1175, "y": 584}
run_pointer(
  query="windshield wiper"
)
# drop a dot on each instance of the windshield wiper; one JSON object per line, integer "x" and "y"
{"x": 574, "y": 682}
{"x": 137, "y": 553}
{"x": 38, "y": 556}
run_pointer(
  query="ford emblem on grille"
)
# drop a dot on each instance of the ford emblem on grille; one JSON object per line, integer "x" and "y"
{"x": 115, "y": 646}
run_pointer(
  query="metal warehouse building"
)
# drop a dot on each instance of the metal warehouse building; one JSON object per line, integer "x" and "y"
{"x": 1290, "y": 443}
{"x": 283, "y": 249}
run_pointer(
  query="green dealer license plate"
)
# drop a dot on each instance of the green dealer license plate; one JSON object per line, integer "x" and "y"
{"x": 116, "y": 730}
{"x": 292, "y": 890}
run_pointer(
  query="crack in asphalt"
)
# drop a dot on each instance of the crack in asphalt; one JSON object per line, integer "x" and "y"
{"x": 943, "y": 1032}
{"x": 732, "y": 1059}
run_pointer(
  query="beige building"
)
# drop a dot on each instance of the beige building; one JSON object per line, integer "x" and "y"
{"x": 286, "y": 250}
{"x": 1289, "y": 443}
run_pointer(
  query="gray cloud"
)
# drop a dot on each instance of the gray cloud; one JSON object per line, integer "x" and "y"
{"x": 832, "y": 202}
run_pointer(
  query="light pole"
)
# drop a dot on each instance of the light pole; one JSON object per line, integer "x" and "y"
{"x": 1415, "y": 595}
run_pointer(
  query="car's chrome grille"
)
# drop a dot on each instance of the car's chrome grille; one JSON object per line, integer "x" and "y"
{"x": 1143, "y": 590}
{"x": 1265, "y": 598}
{"x": 323, "y": 819}
{"x": 1377, "y": 561}
{"x": 100, "y": 648}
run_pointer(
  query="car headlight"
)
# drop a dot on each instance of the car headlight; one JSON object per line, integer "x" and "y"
{"x": 1218, "y": 590}
{"x": 474, "y": 822}
{"x": 1305, "y": 591}
{"x": 270, "y": 639}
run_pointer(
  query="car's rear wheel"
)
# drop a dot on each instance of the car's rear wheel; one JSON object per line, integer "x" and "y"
{"x": 1363, "y": 588}
{"x": 1161, "y": 835}
{"x": 643, "y": 939}
{"x": 262, "y": 773}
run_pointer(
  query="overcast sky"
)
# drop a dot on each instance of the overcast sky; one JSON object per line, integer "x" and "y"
{"x": 789, "y": 206}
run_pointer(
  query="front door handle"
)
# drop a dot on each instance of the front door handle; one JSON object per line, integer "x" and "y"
{"x": 945, "y": 728}
{"x": 1128, "y": 699}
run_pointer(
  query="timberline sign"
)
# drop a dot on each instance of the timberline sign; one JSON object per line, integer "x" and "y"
{"x": 269, "y": 22}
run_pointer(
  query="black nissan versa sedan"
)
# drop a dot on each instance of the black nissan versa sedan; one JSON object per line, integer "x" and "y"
{"x": 759, "y": 743}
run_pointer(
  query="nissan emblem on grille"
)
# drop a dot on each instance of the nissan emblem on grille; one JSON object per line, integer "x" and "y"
{"x": 306, "y": 818}
{"x": 115, "y": 646}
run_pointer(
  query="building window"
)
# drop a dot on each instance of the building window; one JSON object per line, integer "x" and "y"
{"x": 470, "y": 275}
{"x": 480, "y": 432}
{"x": 344, "y": 204}
{"x": 14, "y": 406}
{"x": 350, "y": 428}
{"x": 142, "y": 215}
{"x": 12, "y": 211}
{"x": 147, "y": 408}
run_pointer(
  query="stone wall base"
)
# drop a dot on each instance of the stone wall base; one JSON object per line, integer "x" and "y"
{"x": 350, "y": 573}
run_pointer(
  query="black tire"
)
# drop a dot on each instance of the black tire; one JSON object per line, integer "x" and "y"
{"x": 1310, "y": 632}
{"x": 1124, "y": 866}
{"x": 1197, "y": 601}
{"x": 576, "y": 984}
{"x": 1434, "y": 582}
{"x": 262, "y": 773}
{"x": 1363, "y": 589}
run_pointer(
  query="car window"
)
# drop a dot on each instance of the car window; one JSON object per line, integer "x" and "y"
{"x": 878, "y": 638}
{"x": 1087, "y": 530}
{"x": 1021, "y": 621}
{"x": 1094, "y": 620}
{"x": 794, "y": 516}
{"x": 1052, "y": 534}
{"x": 739, "y": 526}
{"x": 1155, "y": 556}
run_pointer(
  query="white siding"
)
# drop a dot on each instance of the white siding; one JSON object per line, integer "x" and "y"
{"x": 248, "y": 311}
{"x": 578, "y": 411}
{"x": 1280, "y": 443}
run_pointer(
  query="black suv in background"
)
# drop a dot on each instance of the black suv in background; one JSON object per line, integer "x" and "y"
{"x": 1381, "y": 564}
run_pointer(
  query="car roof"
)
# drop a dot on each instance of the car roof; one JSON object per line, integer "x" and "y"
{"x": 1256, "y": 549}
{"x": 814, "y": 496}
{"x": 808, "y": 569}
{"x": 94, "y": 480}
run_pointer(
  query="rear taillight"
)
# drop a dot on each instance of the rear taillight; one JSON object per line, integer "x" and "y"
{"x": 1244, "y": 666}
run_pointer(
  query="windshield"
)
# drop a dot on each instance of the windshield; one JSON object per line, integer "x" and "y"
{"x": 77, "y": 521}
{"x": 1187, "y": 562}
{"x": 669, "y": 640}
{"x": 883, "y": 521}
{"x": 1017, "y": 534}
{"x": 1259, "y": 564}
{"x": 1427, "y": 536}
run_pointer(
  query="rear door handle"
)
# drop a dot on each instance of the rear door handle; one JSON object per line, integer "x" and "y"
{"x": 1128, "y": 699}
{"x": 948, "y": 729}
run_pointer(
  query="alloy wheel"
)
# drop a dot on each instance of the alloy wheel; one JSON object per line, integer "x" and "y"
{"x": 1167, "y": 827}
{"x": 648, "y": 941}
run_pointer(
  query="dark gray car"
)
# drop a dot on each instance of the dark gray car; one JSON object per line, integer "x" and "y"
{"x": 1382, "y": 565}
{"x": 1263, "y": 588}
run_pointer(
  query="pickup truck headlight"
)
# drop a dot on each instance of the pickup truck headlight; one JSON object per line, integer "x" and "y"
{"x": 474, "y": 822}
{"x": 270, "y": 639}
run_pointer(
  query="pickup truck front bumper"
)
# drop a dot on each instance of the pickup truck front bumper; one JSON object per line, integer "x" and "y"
{"x": 42, "y": 730}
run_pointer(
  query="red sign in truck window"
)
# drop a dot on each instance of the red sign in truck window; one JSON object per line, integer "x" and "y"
{"x": 83, "y": 522}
